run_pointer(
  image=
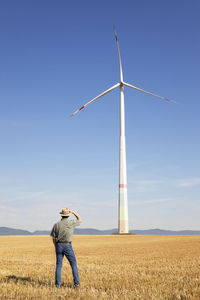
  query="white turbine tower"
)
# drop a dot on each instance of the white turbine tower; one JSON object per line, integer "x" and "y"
{"x": 123, "y": 203}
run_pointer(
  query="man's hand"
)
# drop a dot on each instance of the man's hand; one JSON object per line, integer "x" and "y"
{"x": 76, "y": 215}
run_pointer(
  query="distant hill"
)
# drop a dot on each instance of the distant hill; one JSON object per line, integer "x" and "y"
{"x": 12, "y": 231}
{"x": 40, "y": 232}
{"x": 91, "y": 231}
{"x": 165, "y": 232}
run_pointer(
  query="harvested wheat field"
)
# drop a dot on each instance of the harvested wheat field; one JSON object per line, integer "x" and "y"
{"x": 110, "y": 267}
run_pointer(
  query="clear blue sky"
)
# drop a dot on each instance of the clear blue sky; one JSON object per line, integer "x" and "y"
{"x": 57, "y": 55}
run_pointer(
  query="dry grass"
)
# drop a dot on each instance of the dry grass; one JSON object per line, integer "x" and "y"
{"x": 110, "y": 267}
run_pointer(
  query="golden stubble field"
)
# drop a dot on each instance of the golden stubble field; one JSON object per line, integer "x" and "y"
{"x": 110, "y": 267}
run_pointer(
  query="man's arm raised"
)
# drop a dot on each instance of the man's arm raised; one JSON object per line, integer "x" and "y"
{"x": 76, "y": 215}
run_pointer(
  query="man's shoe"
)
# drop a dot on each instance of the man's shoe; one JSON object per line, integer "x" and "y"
{"x": 77, "y": 286}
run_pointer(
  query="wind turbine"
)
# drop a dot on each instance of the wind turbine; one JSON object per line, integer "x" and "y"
{"x": 123, "y": 203}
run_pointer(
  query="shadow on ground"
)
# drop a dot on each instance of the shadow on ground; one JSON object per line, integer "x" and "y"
{"x": 25, "y": 280}
{"x": 16, "y": 279}
{"x": 31, "y": 281}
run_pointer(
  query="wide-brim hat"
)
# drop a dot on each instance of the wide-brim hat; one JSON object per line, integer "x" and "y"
{"x": 65, "y": 212}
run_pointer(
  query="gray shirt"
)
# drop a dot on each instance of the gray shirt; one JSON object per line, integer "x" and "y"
{"x": 63, "y": 230}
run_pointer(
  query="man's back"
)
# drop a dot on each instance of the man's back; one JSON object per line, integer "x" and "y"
{"x": 64, "y": 229}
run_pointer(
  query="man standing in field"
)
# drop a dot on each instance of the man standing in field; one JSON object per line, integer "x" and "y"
{"x": 62, "y": 234}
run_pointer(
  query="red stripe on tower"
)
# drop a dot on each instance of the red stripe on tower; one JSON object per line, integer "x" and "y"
{"x": 81, "y": 108}
{"x": 122, "y": 186}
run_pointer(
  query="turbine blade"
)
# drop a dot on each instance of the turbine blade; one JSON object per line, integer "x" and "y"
{"x": 119, "y": 57}
{"x": 138, "y": 89}
{"x": 99, "y": 96}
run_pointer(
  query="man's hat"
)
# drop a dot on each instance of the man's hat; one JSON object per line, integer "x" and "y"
{"x": 65, "y": 212}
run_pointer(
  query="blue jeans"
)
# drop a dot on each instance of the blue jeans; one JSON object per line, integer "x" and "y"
{"x": 67, "y": 250}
